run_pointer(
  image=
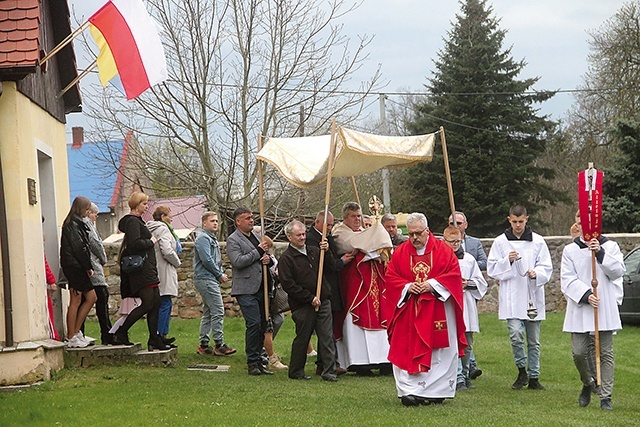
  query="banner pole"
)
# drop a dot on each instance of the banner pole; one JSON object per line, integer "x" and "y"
{"x": 594, "y": 280}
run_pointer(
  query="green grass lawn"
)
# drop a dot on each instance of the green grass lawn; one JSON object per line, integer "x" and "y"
{"x": 139, "y": 395}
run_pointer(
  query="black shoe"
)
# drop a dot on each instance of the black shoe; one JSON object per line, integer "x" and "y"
{"x": 386, "y": 370}
{"x": 121, "y": 337}
{"x": 264, "y": 370}
{"x": 304, "y": 377}
{"x": 254, "y": 370}
{"x": 365, "y": 373}
{"x": 605, "y": 404}
{"x": 461, "y": 386}
{"x": 438, "y": 401}
{"x": 522, "y": 379}
{"x": 467, "y": 383}
{"x": 585, "y": 396}
{"x": 410, "y": 400}
{"x": 167, "y": 341}
{"x": 534, "y": 384}
{"x": 475, "y": 373}
{"x": 155, "y": 343}
{"x": 108, "y": 339}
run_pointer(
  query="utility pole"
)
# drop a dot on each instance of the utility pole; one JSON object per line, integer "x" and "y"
{"x": 386, "y": 199}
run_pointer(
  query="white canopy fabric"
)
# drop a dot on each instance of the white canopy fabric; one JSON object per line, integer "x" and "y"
{"x": 304, "y": 161}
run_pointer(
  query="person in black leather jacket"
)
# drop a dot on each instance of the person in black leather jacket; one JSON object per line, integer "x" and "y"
{"x": 75, "y": 260}
{"x": 138, "y": 240}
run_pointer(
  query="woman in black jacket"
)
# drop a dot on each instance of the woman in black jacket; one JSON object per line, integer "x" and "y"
{"x": 75, "y": 260}
{"x": 143, "y": 284}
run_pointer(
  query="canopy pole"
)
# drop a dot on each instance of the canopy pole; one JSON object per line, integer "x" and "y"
{"x": 355, "y": 190}
{"x": 87, "y": 70}
{"x": 64, "y": 42}
{"x": 447, "y": 173}
{"x": 327, "y": 196}
{"x": 265, "y": 281}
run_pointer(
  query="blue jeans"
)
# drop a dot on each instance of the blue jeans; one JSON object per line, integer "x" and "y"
{"x": 252, "y": 307}
{"x": 517, "y": 330}
{"x": 464, "y": 361}
{"x": 212, "y": 311}
{"x": 164, "y": 314}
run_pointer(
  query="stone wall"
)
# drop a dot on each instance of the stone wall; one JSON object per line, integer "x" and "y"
{"x": 188, "y": 304}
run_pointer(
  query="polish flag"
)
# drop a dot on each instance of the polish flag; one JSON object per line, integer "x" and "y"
{"x": 130, "y": 47}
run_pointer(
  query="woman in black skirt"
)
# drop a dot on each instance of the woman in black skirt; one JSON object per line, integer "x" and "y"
{"x": 144, "y": 283}
{"x": 75, "y": 260}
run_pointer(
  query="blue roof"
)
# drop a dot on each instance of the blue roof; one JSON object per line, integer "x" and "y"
{"x": 93, "y": 169}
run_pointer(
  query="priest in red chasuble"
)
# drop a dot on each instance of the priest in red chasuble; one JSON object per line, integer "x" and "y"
{"x": 427, "y": 331}
{"x": 361, "y": 328}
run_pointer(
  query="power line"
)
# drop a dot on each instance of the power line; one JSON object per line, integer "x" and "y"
{"x": 403, "y": 93}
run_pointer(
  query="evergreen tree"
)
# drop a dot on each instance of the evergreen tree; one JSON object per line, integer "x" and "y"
{"x": 493, "y": 132}
{"x": 621, "y": 188}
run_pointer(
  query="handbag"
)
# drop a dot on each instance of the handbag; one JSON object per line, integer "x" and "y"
{"x": 280, "y": 300}
{"x": 132, "y": 264}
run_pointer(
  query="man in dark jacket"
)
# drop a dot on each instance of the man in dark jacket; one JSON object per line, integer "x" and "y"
{"x": 298, "y": 271}
{"x": 314, "y": 236}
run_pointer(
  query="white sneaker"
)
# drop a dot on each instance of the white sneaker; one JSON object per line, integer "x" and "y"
{"x": 275, "y": 364}
{"x": 76, "y": 342}
{"x": 84, "y": 338}
{"x": 312, "y": 354}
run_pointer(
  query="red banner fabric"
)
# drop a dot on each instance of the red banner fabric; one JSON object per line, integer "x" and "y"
{"x": 590, "y": 202}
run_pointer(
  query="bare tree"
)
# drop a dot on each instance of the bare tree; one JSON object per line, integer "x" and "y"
{"x": 611, "y": 82}
{"x": 237, "y": 68}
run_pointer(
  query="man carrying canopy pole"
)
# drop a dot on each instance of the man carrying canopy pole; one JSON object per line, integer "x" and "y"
{"x": 592, "y": 315}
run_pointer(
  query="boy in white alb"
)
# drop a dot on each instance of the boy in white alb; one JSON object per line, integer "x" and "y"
{"x": 576, "y": 286}
{"x": 474, "y": 287}
{"x": 520, "y": 260}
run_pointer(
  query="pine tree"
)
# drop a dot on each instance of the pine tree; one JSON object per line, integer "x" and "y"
{"x": 493, "y": 131}
{"x": 621, "y": 188}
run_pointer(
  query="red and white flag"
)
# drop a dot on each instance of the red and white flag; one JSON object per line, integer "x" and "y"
{"x": 130, "y": 47}
{"x": 590, "y": 202}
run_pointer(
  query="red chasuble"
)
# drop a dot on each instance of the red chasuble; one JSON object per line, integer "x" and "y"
{"x": 420, "y": 325}
{"x": 363, "y": 288}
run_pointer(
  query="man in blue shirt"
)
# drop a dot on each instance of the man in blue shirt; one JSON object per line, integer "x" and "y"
{"x": 208, "y": 274}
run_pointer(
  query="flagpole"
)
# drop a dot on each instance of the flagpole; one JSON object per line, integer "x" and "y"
{"x": 87, "y": 70}
{"x": 327, "y": 195}
{"x": 65, "y": 42}
{"x": 448, "y": 173}
{"x": 594, "y": 280}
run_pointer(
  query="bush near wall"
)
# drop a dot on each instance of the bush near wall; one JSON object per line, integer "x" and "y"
{"x": 188, "y": 304}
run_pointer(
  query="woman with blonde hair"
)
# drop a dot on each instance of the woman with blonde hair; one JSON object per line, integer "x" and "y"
{"x": 75, "y": 260}
{"x": 144, "y": 283}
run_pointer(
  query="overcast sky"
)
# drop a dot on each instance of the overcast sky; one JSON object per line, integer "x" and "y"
{"x": 550, "y": 35}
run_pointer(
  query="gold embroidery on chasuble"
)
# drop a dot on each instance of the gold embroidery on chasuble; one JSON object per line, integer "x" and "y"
{"x": 374, "y": 290}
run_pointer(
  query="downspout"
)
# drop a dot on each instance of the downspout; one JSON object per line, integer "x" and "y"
{"x": 6, "y": 270}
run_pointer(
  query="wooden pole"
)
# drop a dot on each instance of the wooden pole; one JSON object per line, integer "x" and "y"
{"x": 448, "y": 173}
{"x": 327, "y": 196}
{"x": 355, "y": 190}
{"x": 64, "y": 42}
{"x": 90, "y": 68}
{"x": 265, "y": 281}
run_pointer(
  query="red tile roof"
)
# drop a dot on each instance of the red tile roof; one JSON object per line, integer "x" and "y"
{"x": 19, "y": 33}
